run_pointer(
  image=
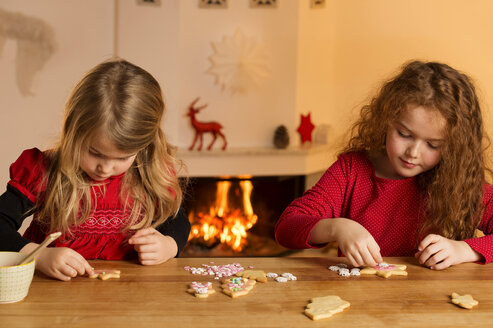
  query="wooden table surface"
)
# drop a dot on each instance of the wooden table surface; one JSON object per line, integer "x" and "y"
{"x": 156, "y": 297}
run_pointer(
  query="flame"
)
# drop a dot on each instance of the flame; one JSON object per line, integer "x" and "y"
{"x": 224, "y": 222}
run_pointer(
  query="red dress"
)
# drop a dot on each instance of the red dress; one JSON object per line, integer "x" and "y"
{"x": 388, "y": 209}
{"x": 101, "y": 236}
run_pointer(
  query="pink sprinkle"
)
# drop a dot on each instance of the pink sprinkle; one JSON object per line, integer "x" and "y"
{"x": 217, "y": 270}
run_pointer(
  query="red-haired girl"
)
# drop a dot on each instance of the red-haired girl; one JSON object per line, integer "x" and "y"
{"x": 411, "y": 180}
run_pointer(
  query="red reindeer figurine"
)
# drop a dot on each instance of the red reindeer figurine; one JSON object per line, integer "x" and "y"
{"x": 203, "y": 127}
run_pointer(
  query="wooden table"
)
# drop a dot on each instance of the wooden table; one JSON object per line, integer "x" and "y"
{"x": 156, "y": 297}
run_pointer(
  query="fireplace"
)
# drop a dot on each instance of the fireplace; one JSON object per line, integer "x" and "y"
{"x": 236, "y": 216}
{"x": 235, "y": 197}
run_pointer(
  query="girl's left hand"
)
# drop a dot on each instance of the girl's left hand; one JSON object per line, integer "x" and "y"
{"x": 152, "y": 246}
{"x": 438, "y": 252}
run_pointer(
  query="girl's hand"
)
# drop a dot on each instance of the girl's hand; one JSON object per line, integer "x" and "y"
{"x": 356, "y": 242}
{"x": 60, "y": 262}
{"x": 438, "y": 252}
{"x": 153, "y": 247}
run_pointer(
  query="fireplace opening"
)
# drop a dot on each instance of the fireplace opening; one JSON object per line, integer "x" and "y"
{"x": 236, "y": 216}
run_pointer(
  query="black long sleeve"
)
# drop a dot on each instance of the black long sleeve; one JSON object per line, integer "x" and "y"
{"x": 177, "y": 228}
{"x": 14, "y": 208}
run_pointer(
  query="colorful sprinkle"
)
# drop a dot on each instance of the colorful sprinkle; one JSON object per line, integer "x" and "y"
{"x": 218, "y": 271}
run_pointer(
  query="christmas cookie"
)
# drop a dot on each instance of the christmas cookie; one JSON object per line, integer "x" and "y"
{"x": 465, "y": 301}
{"x": 258, "y": 275}
{"x": 201, "y": 290}
{"x": 324, "y": 307}
{"x": 105, "y": 274}
{"x": 385, "y": 270}
{"x": 237, "y": 286}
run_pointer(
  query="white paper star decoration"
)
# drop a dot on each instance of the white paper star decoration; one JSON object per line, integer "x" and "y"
{"x": 239, "y": 62}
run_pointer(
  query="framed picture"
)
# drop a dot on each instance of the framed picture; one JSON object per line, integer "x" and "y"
{"x": 156, "y": 3}
{"x": 223, "y": 4}
{"x": 316, "y": 4}
{"x": 263, "y": 3}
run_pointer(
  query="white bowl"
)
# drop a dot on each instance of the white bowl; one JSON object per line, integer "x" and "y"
{"x": 14, "y": 279}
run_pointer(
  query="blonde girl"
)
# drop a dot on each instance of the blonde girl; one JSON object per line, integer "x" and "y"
{"x": 109, "y": 185}
{"x": 411, "y": 181}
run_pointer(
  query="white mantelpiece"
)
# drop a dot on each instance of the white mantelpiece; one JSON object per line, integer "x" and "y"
{"x": 257, "y": 161}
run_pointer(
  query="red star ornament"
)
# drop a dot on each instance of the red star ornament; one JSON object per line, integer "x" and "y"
{"x": 306, "y": 128}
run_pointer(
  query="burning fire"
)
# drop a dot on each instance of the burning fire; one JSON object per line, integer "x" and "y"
{"x": 226, "y": 221}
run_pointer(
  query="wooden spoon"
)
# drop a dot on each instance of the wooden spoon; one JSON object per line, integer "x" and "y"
{"x": 41, "y": 246}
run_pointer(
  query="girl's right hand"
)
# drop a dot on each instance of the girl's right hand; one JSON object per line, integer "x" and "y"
{"x": 62, "y": 263}
{"x": 355, "y": 242}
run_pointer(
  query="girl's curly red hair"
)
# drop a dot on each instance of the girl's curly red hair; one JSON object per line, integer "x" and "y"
{"x": 453, "y": 189}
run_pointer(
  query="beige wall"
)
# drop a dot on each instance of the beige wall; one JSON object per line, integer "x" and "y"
{"x": 316, "y": 63}
{"x": 373, "y": 38}
{"x": 327, "y": 61}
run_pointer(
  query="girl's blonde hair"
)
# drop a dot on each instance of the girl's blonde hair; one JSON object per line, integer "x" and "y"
{"x": 125, "y": 102}
{"x": 454, "y": 187}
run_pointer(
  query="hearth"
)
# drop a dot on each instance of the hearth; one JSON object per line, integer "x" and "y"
{"x": 236, "y": 216}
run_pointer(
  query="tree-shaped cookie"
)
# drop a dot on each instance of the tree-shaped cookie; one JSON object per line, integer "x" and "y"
{"x": 385, "y": 270}
{"x": 324, "y": 307}
{"x": 201, "y": 290}
{"x": 236, "y": 286}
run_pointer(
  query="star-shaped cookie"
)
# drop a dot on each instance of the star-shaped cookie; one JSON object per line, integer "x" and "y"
{"x": 105, "y": 274}
{"x": 385, "y": 270}
{"x": 464, "y": 301}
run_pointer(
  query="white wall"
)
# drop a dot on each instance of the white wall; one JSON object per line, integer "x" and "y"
{"x": 149, "y": 36}
{"x": 85, "y": 37}
{"x": 248, "y": 119}
{"x": 173, "y": 42}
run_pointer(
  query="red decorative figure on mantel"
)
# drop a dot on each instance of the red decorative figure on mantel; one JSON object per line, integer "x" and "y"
{"x": 203, "y": 127}
{"x": 305, "y": 129}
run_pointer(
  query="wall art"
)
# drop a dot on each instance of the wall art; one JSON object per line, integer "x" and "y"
{"x": 239, "y": 62}
{"x": 35, "y": 45}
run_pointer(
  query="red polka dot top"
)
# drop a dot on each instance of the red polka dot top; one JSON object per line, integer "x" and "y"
{"x": 388, "y": 209}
